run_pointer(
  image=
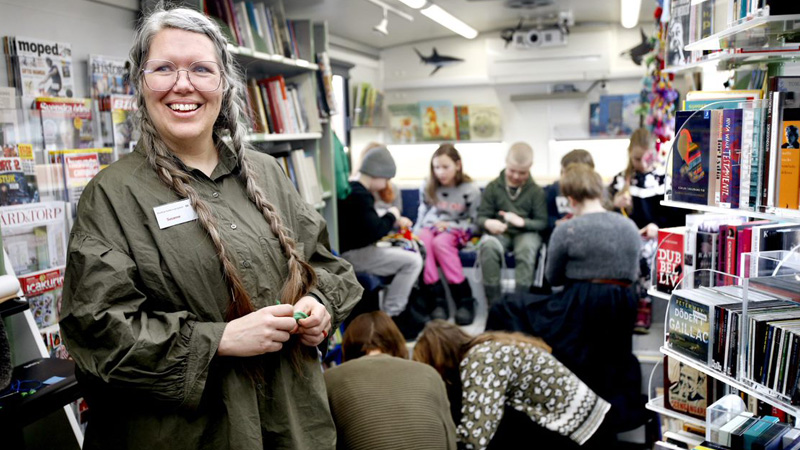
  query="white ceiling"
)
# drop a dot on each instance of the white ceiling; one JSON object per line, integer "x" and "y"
{"x": 354, "y": 19}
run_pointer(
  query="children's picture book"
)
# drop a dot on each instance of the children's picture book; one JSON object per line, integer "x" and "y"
{"x": 618, "y": 114}
{"x": 108, "y": 75}
{"x": 686, "y": 389}
{"x": 462, "y": 123}
{"x": 34, "y": 236}
{"x": 404, "y": 123}
{"x": 485, "y": 123}
{"x": 66, "y": 122}
{"x": 437, "y": 120}
{"x": 595, "y": 126}
{"x": 691, "y": 157}
{"x": 42, "y": 68}
{"x": 18, "y": 175}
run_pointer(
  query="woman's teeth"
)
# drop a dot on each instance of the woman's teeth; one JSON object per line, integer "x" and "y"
{"x": 183, "y": 107}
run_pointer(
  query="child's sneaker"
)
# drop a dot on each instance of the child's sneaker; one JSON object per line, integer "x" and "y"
{"x": 644, "y": 317}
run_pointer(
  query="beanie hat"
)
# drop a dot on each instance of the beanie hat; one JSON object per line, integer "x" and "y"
{"x": 378, "y": 163}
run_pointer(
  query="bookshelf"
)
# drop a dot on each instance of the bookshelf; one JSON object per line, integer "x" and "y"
{"x": 757, "y": 39}
{"x": 653, "y": 292}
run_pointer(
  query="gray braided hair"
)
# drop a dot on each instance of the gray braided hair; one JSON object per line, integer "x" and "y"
{"x": 233, "y": 111}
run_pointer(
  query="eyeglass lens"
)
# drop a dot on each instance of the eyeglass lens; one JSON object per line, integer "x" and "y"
{"x": 160, "y": 75}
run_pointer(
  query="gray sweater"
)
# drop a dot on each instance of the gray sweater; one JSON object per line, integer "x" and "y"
{"x": 598, "y": 245}
{"x": 456, "y": 205}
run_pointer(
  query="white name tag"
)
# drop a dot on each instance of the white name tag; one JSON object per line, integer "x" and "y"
{"x": 175, "y": 213}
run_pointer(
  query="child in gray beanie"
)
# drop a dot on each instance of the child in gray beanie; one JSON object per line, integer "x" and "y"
{"x": 360, "y": 227}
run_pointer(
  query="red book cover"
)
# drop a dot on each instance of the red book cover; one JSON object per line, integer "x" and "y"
{"x": 274, "y": 107}
{"x": 669, "y": 258}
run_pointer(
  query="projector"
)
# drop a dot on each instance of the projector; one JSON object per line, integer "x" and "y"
{"x": 549, "y": 37}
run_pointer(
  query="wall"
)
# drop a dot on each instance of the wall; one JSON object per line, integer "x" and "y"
{"x": 90, "y": 27}
{"x": 490, "y": 76}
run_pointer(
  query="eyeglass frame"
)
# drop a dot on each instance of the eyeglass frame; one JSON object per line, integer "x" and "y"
{"x": 178, "y": 75}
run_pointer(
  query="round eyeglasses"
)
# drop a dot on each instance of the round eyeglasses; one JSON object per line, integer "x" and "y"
{"x": 162, "y": 75}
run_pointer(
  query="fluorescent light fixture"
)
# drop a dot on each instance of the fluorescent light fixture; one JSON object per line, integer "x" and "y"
{"x": 416, "y": 4}
{"x": 629, "y": 11}
{"x": 447, "y": 20}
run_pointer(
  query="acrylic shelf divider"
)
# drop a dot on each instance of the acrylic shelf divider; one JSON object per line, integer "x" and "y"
{"x": 653, "y": 292}
{"x": 784, "y": 214}
{"x": 757, "y": 31}
{"x": 657, "y": 405}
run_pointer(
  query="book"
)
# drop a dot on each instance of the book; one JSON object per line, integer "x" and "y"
{"x": 678, "y": 33}
{"x": 789, "y": 189}
{"x": 404, "y": 123}
{"x": 18, "y": 176}
{"x": 690, "y": 314}
{"x": 462, "y": 123}
{"x": 437, "y": 120}
{"x": 752, "y": 434}
{"x": 485, "y": 123}
{"x": 618, "y": 114}
{"x": 669, "y": 259}
{"x": 691, "y": 182}
{"x": 686, "y": 389}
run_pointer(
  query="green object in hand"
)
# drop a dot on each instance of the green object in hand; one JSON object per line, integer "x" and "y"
{"x": 299, "y": 315}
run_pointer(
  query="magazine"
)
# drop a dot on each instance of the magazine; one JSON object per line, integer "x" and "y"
{"x": 18, "y": 175}
{"x": 41, "y": 68}
{"x": 66, "y": 122}
{"x": 67, "y": 172}
{"x": 34, "y": 236}
{"x": 108, "y": 75}
{"x": 43, "y": 291}
{"x": 116, "y": 119}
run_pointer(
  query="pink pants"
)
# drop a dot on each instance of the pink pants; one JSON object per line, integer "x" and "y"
{"x": 442, "y": 251}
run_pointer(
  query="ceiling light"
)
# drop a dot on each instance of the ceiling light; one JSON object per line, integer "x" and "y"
{"x": 629, "y": 11}
{"x": 416, "y": 4}
{"x": 382, "y": 27}
{"x": 447, "y": 20}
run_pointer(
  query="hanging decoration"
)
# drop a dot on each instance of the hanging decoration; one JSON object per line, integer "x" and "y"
{"x": 658, "y": 95}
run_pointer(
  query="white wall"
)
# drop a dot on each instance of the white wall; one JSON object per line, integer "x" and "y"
{"x": 90, "y": 27}
{"x": 489, "y": 75}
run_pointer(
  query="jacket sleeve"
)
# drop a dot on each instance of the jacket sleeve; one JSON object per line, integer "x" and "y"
{"x": 480, "y": 420}
{"x": 473, "y": 202}
{"x": 557, "y": 256}
{"x": 115, "y": 334}
{"x": 538, "y": 219}
{"x": 423, "y": 210}
{"x": 337, "y": 286}
{"x": 487, "y": 209}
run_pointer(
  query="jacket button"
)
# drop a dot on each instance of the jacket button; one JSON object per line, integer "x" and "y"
{"x": 215, "y": 195}
{"x": 246, "y": 264}
{"x": 233, "y": 226}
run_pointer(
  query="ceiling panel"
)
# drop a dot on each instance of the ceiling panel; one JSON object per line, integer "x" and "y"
{"x": 354, "y": 19}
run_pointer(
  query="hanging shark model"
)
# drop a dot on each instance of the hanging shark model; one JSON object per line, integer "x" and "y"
{"x": 639, "y": 51}
{"x": 438, "y": 60}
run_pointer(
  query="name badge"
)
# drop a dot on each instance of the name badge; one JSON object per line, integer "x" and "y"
{"x": 174, "y": 213}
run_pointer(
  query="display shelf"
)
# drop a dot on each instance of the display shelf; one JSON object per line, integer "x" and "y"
{"x": 13, "y": 306}
{"x": 785, "y": 214}
{"x": 265, "y": 62}
{"x": 319, "y": 205}
{"x": 734, "y": 383}
{"x": 48, "y": 398}
{"x": 728, "y": 59}
{"x": 275, "y": 137}
{"x": 754, "y": 32}
{"x": 657, "y": 405}
{"x": 653, "y": 292}
{"x": 326, "y": 195}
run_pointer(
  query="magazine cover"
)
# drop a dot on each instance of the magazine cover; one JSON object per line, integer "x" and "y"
{"x": 438, "y": 120}
{"x": 18, "y": 175}
{"x": 67, "y": 172}
{"x": 108, "y": 75}
{"x": 485, "y": 123}
{"x": 686, "y": 389}
{"x": 44, "y": 68}
{"x": 66, "y": 122}
{"x": 691, "y": 157}
{"x": 34, "y": 236}
{"x": 125, "y": 133}
{"x": 43, "y": 291}
{"x": 404, "y": 123}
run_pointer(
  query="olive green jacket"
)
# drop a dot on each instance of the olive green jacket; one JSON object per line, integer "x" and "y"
{"x": 531, "y": 205}
{"x": 144, "y": 311}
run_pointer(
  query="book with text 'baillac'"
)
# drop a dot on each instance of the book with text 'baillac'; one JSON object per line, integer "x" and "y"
{"x": 691, "y": 157}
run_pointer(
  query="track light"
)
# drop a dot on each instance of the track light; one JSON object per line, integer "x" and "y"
{"x": 382, "y": 27}
{"x": 629, "y": 12}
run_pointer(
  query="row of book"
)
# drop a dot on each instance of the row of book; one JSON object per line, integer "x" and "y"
{"x": 615, "y": 115}
{"x": 440, "y": 120}
{"x": 367, "y": 107}
{"x": 302, "y": 170}
{"x": 693, "y": 20}
{"x": 735, "y": 150}
{"x": 259, "y": 25}
{"x": 278, "y": 106}
{"x": 706, "y": 325}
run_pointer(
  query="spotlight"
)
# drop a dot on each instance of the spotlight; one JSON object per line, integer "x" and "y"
{"x": 382, "y": 27}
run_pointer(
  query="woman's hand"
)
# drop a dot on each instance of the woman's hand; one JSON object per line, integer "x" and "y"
{"x": 650, "y": 231}
{"x": 314, "y": 329}
{"x": 262, "y": 331}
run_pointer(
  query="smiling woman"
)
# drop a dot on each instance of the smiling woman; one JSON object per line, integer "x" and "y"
{"x": 192, "y": 264}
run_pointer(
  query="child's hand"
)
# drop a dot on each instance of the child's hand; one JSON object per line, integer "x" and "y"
{"x": 494, "y": 226}
{"x": 404, "y": 222}
{"x": 513, "y": 219}
{"x": 441, "y": 226}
